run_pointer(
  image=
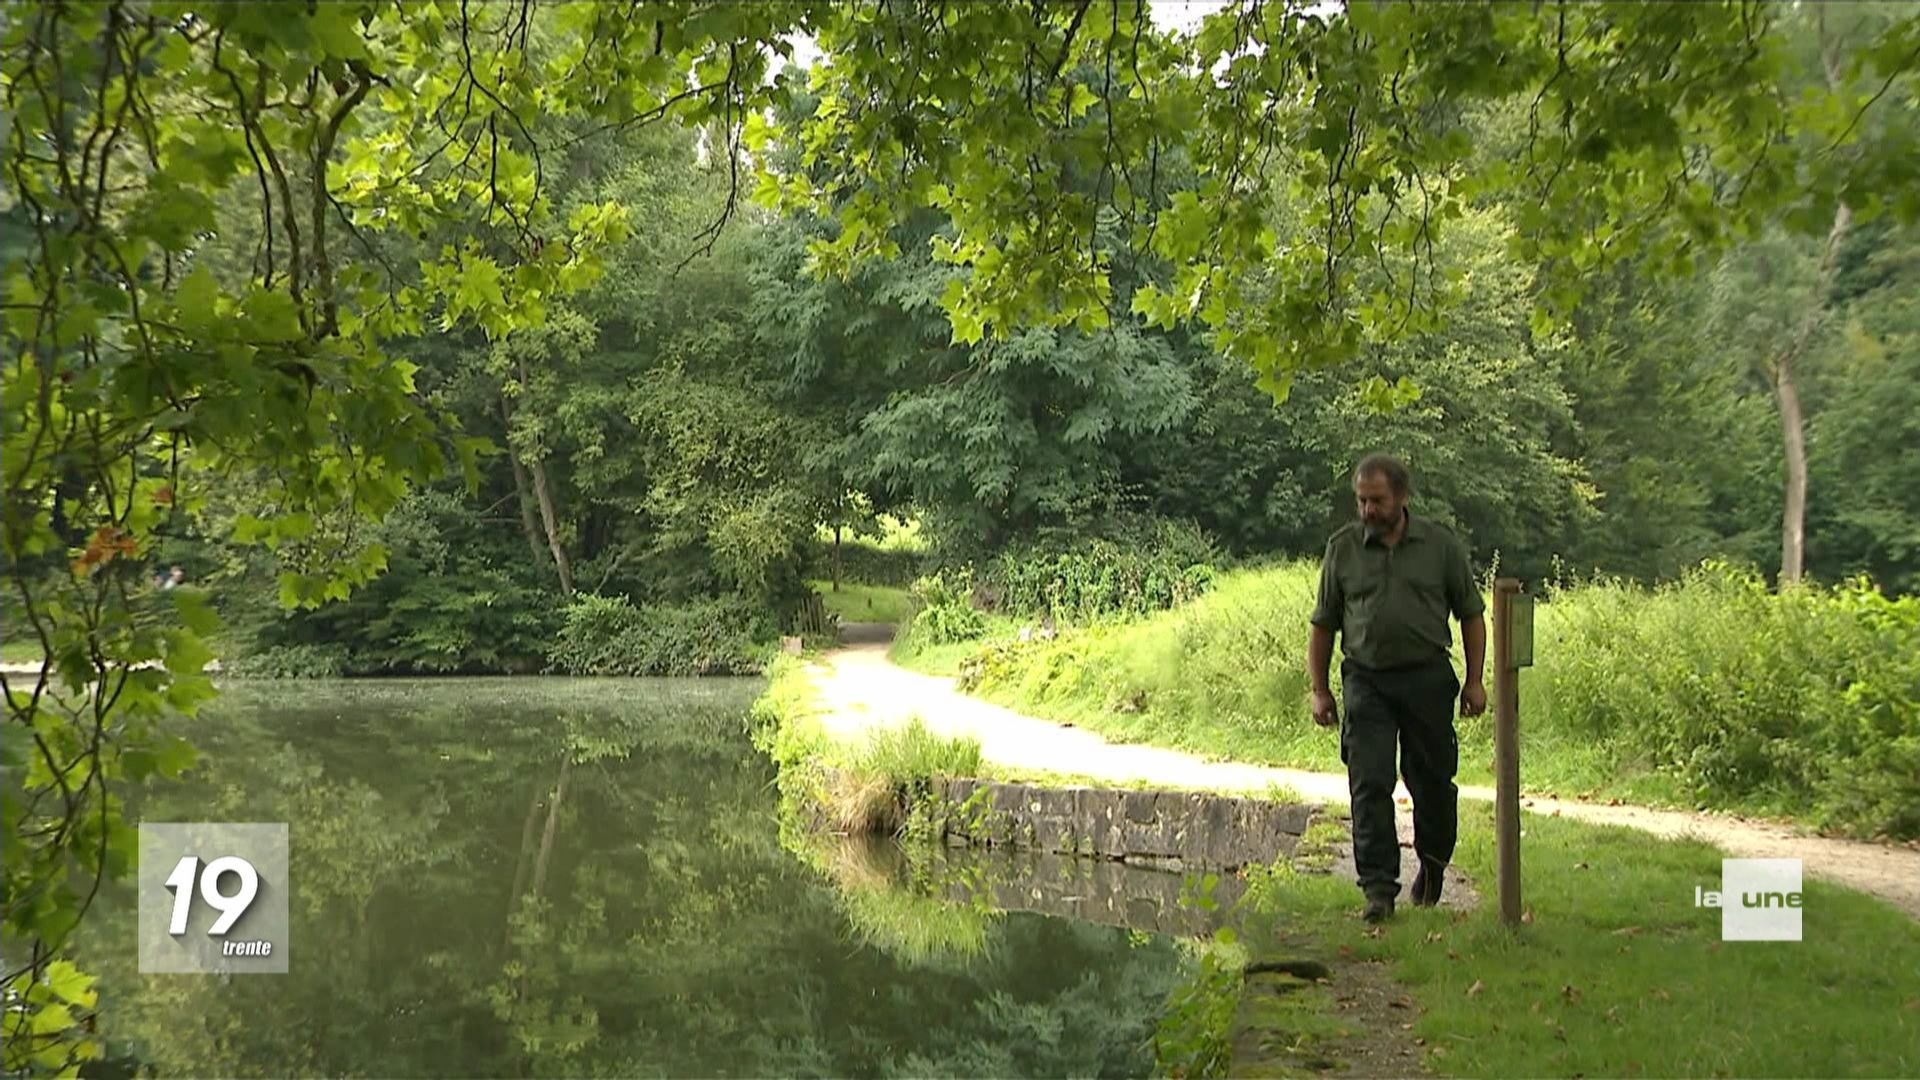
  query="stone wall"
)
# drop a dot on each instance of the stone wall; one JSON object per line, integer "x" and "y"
{"x": 1167, "y": 830}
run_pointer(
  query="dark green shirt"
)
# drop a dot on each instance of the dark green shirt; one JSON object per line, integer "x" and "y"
{"x": 1390, "y": 604}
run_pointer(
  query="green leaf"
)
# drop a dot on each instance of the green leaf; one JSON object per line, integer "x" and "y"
{"x": 51, "y": 1020}
{"x": 336, "y": 26}
{"x": 186, "y": 653}
{"x": 270, "y": 315}
{"x": 71, "y": 984}
{"x": 196, "y": 610}
{"x": 174, "y": 756}
{"x": 1083, "y": 99}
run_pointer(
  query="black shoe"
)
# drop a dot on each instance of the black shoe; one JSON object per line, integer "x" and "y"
{"x": 1425, "y": 890}
{"x": 1379, "y": 909}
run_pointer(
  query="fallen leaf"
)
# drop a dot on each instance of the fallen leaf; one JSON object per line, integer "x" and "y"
{"x": 1613, "y": 1013}
{"x": 1560, "y": 1033}
{"x": 1526, "y": 916}
{"x": 1433, "y": 936}
{"x": 1451, "y": 955}
{"x": 1346, "y": 950}
{"x": 1408, "y": 1026}
{"x": 1397, "y": 1004}
{"x": 1476, "y": 987}
{"x": 1570, "y": 993}
{"x": 1582, "y": 866}
{"x": 1627, "y": 930}
{"x": 1419, "y": 1041}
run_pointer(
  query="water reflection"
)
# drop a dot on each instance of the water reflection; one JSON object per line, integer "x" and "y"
{"x": 990, "y": 880}
{"x": 561, "y": 878}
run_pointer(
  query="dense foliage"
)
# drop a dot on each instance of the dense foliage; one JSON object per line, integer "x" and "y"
{"x": 608, "y": 635}
{"x": 1143, "y": 567}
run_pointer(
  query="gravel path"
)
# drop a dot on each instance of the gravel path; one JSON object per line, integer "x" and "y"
{"x": 860, "y": 688}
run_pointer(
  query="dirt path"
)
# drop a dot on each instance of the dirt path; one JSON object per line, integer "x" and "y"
{"x": 861, "y": 689}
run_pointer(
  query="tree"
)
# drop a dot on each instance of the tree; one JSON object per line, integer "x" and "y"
{"x": 1655, "y": 131}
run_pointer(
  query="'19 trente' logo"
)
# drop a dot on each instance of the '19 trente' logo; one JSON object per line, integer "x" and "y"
{"x": 187, "y": 871}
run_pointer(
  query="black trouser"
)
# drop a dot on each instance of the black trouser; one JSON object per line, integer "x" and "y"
{"x": 1416, "y": 706}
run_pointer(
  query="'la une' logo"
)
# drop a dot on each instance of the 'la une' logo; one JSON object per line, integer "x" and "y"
{"x": 1711, "y": 898}
{"x": 1759, "y": 899}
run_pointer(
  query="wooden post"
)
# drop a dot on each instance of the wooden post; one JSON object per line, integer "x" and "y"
{"x": 1506, "y": 749}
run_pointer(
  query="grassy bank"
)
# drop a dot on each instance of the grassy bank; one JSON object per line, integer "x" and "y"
{"x": 1617, "y": 973}
{"x": 1711, "y": 692}
{"x": 850, "y": 787}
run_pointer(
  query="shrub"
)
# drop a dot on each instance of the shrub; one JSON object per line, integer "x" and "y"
{"x": 946, "y": 613}
{"x": 1808, "y": 698}
{"x": 609, "y": 635}
{"x": 1148, "y": 568}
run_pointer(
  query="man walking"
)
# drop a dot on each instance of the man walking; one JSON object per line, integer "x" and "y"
{"x": 1387, "y": 585}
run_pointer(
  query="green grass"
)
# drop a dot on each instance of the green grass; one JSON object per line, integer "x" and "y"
{"x": 22, "y": 650}
{"x": 908, "y": 752}
{"x": 855, "y": 602}
{"x": 1712, "y": 692}
{"x": 1618, "y": 974}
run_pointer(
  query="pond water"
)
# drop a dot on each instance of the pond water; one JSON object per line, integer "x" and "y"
{"x": 554, "y": 877}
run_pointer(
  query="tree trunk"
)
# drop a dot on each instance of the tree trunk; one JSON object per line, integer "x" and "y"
{"x": 1793, "y": 522}
{"x": 1793, "y": 517}
{"x": 836, "y": 558}
{"x": 521, "y": 493}
{"x": 551, "y": 520}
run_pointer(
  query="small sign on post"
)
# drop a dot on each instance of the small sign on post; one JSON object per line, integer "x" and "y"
{"x": 1512, "y": 649}
{"x": 1522, "y": 636}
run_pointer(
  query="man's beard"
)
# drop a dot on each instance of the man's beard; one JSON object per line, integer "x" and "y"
{"x": 1377, "y": 530}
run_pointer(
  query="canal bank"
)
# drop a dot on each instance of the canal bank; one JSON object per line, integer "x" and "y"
{"x": 924, "y": 842}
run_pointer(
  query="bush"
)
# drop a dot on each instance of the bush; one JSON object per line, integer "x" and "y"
{"x": 608, "y": 635}
{"x": 1149, "y": 568}
{"x": 946, "y": 613}
{"x": 1807, "y": 699}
